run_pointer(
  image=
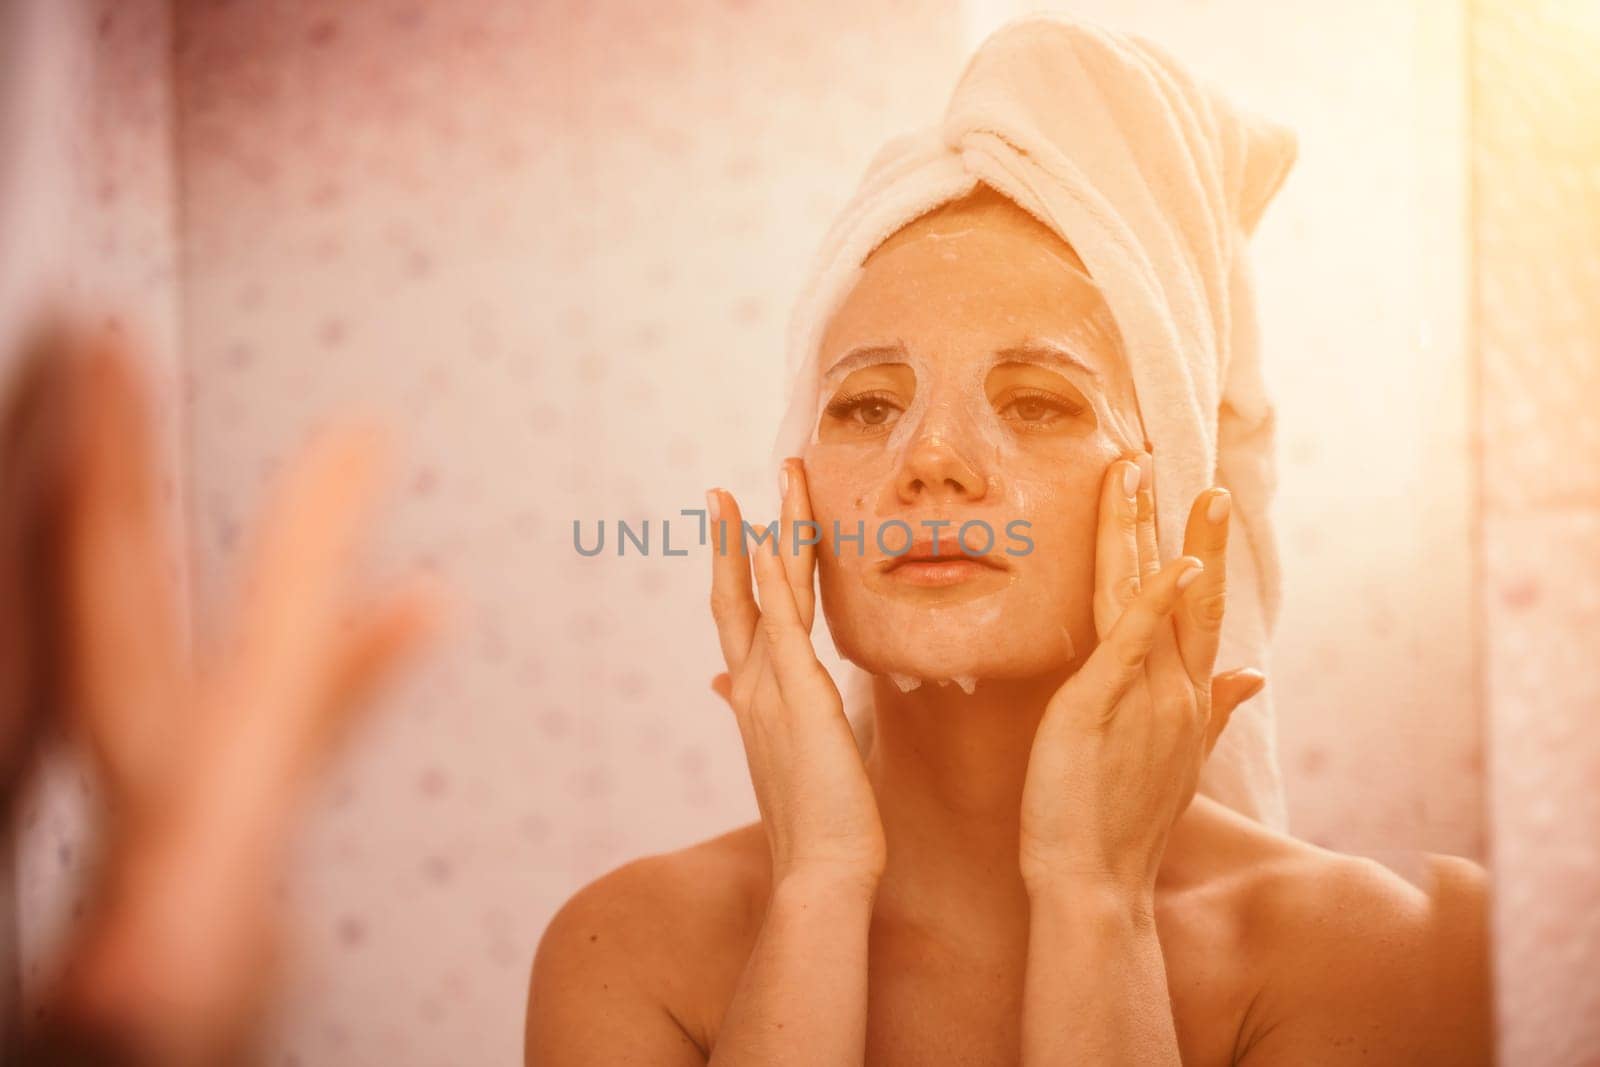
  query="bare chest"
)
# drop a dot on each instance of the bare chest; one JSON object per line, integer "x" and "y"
{"x": 928, "y": 1003}
{"x": 933, "y": 1002}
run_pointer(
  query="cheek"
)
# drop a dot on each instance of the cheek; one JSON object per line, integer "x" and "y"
{"x": 1058, "y": 568}
{"x": 843, "y": 479}
{"x": 839, "y": 499}
{"x": 1058, "y": 492}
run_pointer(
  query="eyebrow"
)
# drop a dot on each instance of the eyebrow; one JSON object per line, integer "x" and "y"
{"x": 1034, "y": 350}
{"x": 1046, "y": 351}
{"x": 866, "y": 355}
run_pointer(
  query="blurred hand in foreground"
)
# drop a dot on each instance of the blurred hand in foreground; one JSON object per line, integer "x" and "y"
{"x": 203, "y": 765}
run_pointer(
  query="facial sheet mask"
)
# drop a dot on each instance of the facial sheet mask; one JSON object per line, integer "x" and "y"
{"x": 950, "y": 406}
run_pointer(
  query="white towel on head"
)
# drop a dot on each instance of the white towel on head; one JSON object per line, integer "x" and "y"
{"x": 1157, "y": 181}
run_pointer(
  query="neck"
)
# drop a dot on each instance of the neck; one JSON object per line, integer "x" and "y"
{"x": 948, "y": 770}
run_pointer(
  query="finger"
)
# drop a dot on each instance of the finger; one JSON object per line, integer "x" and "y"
{"x": 1149, "y": 543}
{"x": 733, "y": 605}
{"x": 752, "y": 673}
{"x": 1122, "y": 656}
{"x": 798, "y": 528}
{"x": 722, "y": 685}
{"x": 794, "y": 660}
{"x": 1198, "y": 620}
{"x": 37, "y": 463}
{"x": 1228, "y": 691}
{"x": 290, "y": 602}
{"x": 372, "y": 649}
{"x": 125, "y": 647}
{"x": 376, "y": 646}
{"x": 1116, "y": 556}
{"x": 1164, "y": 664}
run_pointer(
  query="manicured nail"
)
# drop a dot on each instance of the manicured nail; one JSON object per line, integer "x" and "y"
{"x": 783, "y": 480}
{"x": 1130, "y": 478}
{"x": 1217, "y": 509}
{"x": 1188, "y": 576}
{"x": 713, "y": 505}
{"x": 1147, "y": 472}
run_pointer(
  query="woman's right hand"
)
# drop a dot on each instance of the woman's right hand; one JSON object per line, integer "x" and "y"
{"x": 816, "y": 802}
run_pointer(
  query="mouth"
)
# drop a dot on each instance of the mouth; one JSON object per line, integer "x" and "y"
{"x": 923, "y": 565}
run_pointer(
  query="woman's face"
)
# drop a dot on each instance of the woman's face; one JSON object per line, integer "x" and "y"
{"x": 972, "y": 376}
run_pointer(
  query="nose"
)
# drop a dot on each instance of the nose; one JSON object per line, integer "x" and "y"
{"x": 935, "y": 468}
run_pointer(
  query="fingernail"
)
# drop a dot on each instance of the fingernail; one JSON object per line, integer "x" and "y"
{"x": 1188, "y": 576}
{"x": 1217, "y": 509}
{"x": 783, "y": 480}
{"x": 713, "y": 505}
{"x": 1130, "y": 478}
{"x": 1146, "y": 470}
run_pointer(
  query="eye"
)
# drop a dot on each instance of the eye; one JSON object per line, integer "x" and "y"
{"x": 1038, "y": 409}
{"x": 866, "y": 412}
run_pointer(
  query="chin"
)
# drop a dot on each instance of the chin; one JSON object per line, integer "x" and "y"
{"x": 954, "y": 644}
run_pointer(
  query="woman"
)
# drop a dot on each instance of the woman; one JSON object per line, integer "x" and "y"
{"x": 1020, "y": 869}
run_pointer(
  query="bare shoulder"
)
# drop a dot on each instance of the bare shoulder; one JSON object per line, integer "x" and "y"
{"x": 651, "y": 904}
{"x": 1357, "y": 961}
{"x": 627, "y": 968}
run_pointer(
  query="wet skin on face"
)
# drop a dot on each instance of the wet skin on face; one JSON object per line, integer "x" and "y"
{"x": 973, "y": 374}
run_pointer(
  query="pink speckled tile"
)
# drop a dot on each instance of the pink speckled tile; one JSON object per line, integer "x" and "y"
{"x": 1536, "y": 181}
{"x": 1542, "y": 603}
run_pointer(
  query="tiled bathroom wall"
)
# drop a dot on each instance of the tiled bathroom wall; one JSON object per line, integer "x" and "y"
{"x": 1536, "y": 180}
{"x": 555, "y": 244}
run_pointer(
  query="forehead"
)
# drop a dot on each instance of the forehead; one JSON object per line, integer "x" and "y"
{"x": 974, "y": 278}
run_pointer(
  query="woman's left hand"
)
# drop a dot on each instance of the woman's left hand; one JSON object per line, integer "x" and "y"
{"x": 1118, "y": 753}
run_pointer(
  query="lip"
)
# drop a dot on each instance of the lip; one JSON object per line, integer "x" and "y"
{"x": 922, "y": 565}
